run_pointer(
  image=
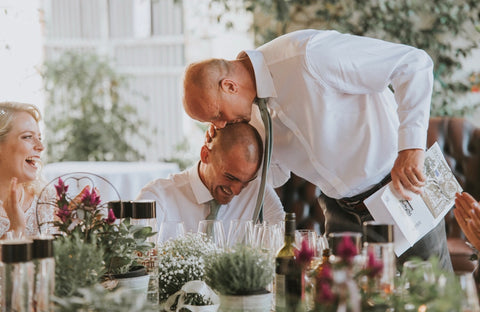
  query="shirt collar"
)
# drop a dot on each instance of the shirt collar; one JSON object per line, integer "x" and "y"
{"x": 263, "y": 77}
{"x": 200, "y": 191}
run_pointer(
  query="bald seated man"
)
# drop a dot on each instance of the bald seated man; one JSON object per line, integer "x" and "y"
{"x": 228, "y": 171}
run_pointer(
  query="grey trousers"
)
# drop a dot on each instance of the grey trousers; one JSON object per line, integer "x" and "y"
{"x": 340, "y": 218}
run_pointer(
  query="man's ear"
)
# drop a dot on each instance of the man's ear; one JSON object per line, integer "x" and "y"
{"x": 205, "y": 154}
{"x": 229, "y": 86}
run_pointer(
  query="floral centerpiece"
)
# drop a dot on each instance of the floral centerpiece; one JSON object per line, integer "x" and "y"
{"x": 343, "y": 284}
{"x": 182, "y": 260}
{"x": 86, "y": 228}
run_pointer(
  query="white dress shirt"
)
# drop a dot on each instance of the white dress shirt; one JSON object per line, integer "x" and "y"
{"x": 336, "y": 123}
{"x": 183, "y": 196}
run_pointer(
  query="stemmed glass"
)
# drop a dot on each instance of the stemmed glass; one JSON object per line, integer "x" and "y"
{"x": 213, "y": 229}
{"x": 416, "y": 283}
{"x": 470, "y": 298}
{"x": 240, "y": 232}
{"x": 170, "y": 230}
{"x": 309, "y": 236}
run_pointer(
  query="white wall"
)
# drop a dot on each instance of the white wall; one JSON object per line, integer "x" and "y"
{"x": 20, "y": 51}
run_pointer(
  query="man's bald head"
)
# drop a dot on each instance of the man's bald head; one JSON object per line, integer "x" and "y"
{"x": 237, "y": 135}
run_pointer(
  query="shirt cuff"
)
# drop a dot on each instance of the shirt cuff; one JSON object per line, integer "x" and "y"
{"x": 412, "y": 138}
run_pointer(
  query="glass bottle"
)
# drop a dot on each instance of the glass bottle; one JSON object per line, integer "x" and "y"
{"x": 288, "y": 274}
{"x": 144, "y": 213}
{"x": 17, "y": 273}
{"x": 44, "y": 283}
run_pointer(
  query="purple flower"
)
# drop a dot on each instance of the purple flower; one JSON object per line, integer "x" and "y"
{"x": 90, "y": 199}
{"x": 111, "y": 217}
{"x": 347, "y": 250}
{"x": 61, "y": 188}
{"x": 374, "y": 267}
{"x": 304, "y": 255}
{"x": 63, "y": 213}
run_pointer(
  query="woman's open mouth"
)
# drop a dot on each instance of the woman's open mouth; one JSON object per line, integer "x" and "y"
{"x": 33, "y": 161}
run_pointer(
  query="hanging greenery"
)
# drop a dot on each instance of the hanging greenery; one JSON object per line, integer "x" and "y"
{"x": 88, "y": 115}
{"x": 447, "y": 30}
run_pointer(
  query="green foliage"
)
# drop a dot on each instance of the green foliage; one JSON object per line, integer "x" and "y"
{"x": 82, "y": 217}
{"x": 121, "y": 243}
{"x": 87, "y": 115}
{"x": 443, "y": 295}
{"x": 78, "y": 264}
{"x": 97, "y": 298}
{"x": 241, "y": 271}
{"x": 447, "y": 30}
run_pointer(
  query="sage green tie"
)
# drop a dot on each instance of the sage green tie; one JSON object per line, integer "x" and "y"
{"x": 214, "y": 207}
{"x": 267, "y": 153}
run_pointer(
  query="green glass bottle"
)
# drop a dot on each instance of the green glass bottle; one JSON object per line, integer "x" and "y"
{"x": 288, "y": 274}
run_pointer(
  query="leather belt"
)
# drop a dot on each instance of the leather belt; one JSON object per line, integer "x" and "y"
{"x": 356, "y": 202}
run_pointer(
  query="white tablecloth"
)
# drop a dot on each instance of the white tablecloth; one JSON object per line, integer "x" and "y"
{"x": 127, "y": 178}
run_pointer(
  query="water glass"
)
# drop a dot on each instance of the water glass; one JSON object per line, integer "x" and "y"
{"x": 240, "y": 232}
{"x": 213, "y": 229}
{"x": 170, "y": 230}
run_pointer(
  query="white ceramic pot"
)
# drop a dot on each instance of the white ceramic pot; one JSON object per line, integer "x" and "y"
{"x": 137, "y": 284}
{"x": 135, "y": 281}
{"x": 252, "y": 303}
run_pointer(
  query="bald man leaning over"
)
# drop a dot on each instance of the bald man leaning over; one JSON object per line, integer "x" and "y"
{"x": 227, "y": 172}
{"x": 335, "y": 120}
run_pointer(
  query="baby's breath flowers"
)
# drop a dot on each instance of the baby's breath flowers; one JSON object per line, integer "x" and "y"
{"x": 182, "y": 260}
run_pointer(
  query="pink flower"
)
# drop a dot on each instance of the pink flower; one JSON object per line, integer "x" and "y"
{"x": 374, "y": 267}
{"x": 324, "y": 293}
{"x": 304, "y": 255}
{"x": 90, "y": 199}
{"x": 63, "y": 213}
{"x": 347, "y": 250}
{"x": 325, "y": 274}
{"x": 111, "y": 217}
{"x": 61, "y": 188}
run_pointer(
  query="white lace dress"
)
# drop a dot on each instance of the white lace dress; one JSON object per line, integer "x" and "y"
{"x": 45, "y": 215}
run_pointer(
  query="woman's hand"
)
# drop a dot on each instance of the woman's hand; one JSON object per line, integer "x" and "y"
{"x": 14, "y": 210}
{"x": 467, "y": 213}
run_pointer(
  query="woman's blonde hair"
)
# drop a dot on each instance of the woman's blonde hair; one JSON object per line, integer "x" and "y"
{"x": 7, "y": 117}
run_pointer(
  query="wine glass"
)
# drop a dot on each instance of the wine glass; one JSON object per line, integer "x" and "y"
{"x": 308, "y": 236}
{"x": 213, "y": 229}
{"x": 170, "y": 230}
{"x": 257, "y": 234}
{"x": 240, "y": 232}
{"x": 416, "y": 283}
{"x": 470, "y": 298}
{"x": 268, "y": 241}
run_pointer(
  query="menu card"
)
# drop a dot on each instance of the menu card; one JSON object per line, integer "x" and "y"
{"x": 414, "y": 218}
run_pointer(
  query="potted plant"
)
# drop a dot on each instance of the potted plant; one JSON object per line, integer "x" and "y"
{"x": 182, "y": 261}
{"x": 241, "y": 277}
{"x": 85, "y": 228}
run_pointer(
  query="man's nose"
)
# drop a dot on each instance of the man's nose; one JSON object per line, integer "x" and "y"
{"x": 237, "y": 187}
{"x": 219, "y": 124}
